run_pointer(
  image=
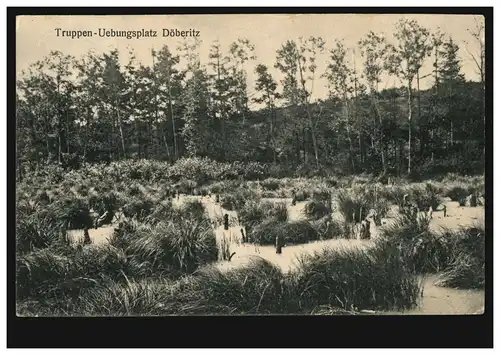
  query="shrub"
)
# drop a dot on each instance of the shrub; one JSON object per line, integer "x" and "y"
{"x": 328, "y": 228}
{"x": 47, "y": 274}
{"x": 289, "y": 232}
{"x": 424, "y": 197}
{"x": 356, "y": 205}
{"x": 36, "y": 227}
{"x": 356, "y": 280}
{"x": 253, "y": 213}
{"x": 237, "y": 199}
{"x": 270, "y": 184}
{"x": 458, "y": 192}
{"x": 186, "y": 186}
{"x": 133, "y": 298}
{"x": 466, "y": 268}
{"x": 316, "y": 209}
{"x": 422, "y": 250}
{"x": 182, "y": 244}
{"x": 322, "y": 195}
{"x": 139, "y": 208}
{"x": 253, "y": 289}
{"x": 107, "y": 202}
{"x": 72, "y": 212}
{"x": 301, "y": 195}
{"x": 161, "y": 212}
{"x": 193, "y": 209}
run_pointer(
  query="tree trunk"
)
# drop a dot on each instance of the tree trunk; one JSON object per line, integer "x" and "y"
{"x": 173, "y": 119}
{"x": 410, "y": 112}
{"x": 422, "y": 123}
{"x": 351, "y": 150}
{"x": 122, "y": 138}
{"x": 309, "y": 115}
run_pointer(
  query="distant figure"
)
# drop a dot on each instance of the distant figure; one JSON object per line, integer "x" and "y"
{"x": 405, "y": 200}
{"x": 429, "y": 212}
{"x": 178, "y": 195}
{"x": 217, "y": 198}
{"x": 94, "y": 217}
{"x": 243, "y": 238}
{"x": 471, "y": 201}
{"x": 99, "y": 221}
{"x": 294, "y": 198}
{"x": 279, "y": 244}
{"x": 365, "y": 229}
{"x": 444, "y": 211}
{"x": 86, "y": 236}
{"x": 226, "y": 221}
{"x": 376, "y": 218}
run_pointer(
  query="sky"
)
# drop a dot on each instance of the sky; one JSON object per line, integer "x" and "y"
{"x": 36, "y": 36}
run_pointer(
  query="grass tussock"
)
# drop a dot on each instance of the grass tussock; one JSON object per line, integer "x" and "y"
{"x": 328, "y": 228}
{"x": 296, "y": 232}
{"x": 422, "y": 250}
{"x": 317, "y": 209}
{"x": 36, "y": 227}
{"x": 356, "y": 280}
{"x": 466, "y": 267}
{"x": 182, "y": 244}
{"x": 237, "y": 199}
{"x": 254, "y": 213}
{"x": 355, "y": 205}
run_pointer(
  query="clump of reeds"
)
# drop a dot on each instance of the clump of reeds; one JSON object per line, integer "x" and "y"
{"x": 356, "y": 279}
{"x": 466, "y": 267}
{"x": 316, "y": 209}
{"x": 296, "y": 232}
{"x": 355, "y": 206}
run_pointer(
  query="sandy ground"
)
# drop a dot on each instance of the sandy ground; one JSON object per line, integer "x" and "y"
{"x": 436, "y": 300}
{"x": 446, "y": 301}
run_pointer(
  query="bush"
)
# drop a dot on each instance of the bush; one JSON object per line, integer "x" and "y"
{"x": 182, "y": 244}
{"x": 289, "y": 232}
{"x": 270, "y": 184}
{"x": 133, "y": 298}
{"x": 327, "y": 228}
{"x": 254, "y": 289}
{"x": 193, "y": 209}
{"x": 424, "y": 197}
{"x": 237, "y": 199}
{"x": 423, "y": 251}
{"x": 301, "y": 195}
{"x": 139, "y": 208}
{"x": 72, "y": 213}
{"x": 161, "y": 212}
{"x": 36, "y": 227}
{"x": 322, "y": 195}
{"x": 466, "y": 268}
{"x": 106, "y": 202}
{"x": 356, "y": 205}
{"x": 316, "y": 209}
{"x": 458, "y": 192}
{"x": 47, "y": 274}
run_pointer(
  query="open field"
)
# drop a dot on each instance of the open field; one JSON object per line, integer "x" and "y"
{"x": 154, "y": 242}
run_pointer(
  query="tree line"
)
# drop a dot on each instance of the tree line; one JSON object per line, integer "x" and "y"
{"x": 92, "y": 109}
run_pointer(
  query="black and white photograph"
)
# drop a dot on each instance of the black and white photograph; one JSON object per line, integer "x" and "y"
{"x": 250, "y": 164}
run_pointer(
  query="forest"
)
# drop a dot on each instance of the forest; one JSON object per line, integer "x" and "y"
{"x": 91, "y": 109}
